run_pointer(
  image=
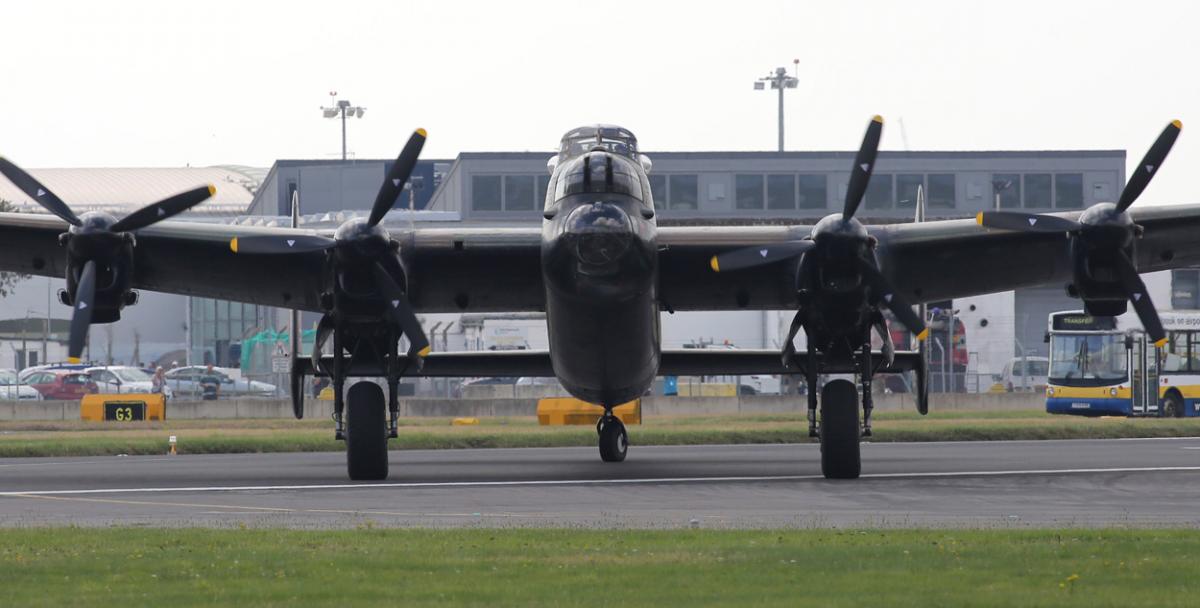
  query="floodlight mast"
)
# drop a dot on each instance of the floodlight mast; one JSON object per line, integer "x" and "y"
{"x": 340, "y": 109}
{"x": 779, "y": 80}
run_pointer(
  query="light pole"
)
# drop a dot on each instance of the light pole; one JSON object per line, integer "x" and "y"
{"x": 341, "y": 108}
{"x": 779, "y": 80}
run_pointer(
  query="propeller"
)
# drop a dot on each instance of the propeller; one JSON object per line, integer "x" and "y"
{"x": 363, "y": 244}
{"x": 96, "y": 238}
{"x": 835, "y": 227}
{"x": 1106, "y": 218}
{"x": 860, "y": 176}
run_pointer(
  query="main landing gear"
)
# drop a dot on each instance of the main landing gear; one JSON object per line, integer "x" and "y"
{"x": 614, "y": 440}
{"x": 366, "y": 432}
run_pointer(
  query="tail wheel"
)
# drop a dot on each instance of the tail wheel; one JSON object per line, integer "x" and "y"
{"x": 366, "y": 432}
{"x": 614, "y": 440}
{"x": 840, "y": 431}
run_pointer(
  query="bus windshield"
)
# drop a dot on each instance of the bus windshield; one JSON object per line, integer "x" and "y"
{"x": 1087, "y": 359}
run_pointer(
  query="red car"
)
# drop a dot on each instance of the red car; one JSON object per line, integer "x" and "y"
{"x": 61, "y": 384}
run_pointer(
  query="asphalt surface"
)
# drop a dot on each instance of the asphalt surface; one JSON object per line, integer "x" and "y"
{"x": 1153, "y": 482}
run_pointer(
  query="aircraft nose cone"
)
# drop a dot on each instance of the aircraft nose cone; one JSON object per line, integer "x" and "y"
{"x": 602, "y": 232}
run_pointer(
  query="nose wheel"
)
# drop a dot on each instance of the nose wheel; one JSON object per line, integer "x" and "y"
{"x": 614, "y": 441}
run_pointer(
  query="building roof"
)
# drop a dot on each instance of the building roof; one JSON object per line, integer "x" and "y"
{"x": 125, "y": 189}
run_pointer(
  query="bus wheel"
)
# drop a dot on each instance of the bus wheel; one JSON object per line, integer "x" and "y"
{"x": 1172, "y": 406}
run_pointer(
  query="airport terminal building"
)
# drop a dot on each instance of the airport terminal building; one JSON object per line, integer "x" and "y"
{"x": 508, "y": 189}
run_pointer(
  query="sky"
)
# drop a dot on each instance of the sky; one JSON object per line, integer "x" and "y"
{"x": 123, "y": 83}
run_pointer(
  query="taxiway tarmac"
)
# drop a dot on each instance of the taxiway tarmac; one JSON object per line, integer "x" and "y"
{"x": 1148, "y": 482}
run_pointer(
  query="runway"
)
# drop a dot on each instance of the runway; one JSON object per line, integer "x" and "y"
{"x": 1150, "y": 482}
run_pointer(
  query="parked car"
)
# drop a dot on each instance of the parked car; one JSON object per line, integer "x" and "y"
{"x": 124, "y": 379}
{"x": 12, "y": 389}
{"x": 59, "y": 384}
{"x": 1031, "y": 375}
{"x": 185, "y": 381}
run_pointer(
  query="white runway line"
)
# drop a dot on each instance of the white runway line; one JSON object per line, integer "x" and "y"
{"x": 589, "y": 482}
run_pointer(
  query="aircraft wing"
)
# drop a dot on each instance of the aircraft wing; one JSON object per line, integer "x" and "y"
{"x": 927, "y": 262}
{"x": 499, "y": 269}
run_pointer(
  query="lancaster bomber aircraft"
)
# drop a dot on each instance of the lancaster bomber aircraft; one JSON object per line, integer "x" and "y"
{"x": 603, "y": 271}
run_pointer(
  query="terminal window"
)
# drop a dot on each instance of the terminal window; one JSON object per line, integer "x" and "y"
{"x": 1185, "y": 289}
{"x": 485, "y": 193}
{"x": 519, "y": 192}
{"x": 748, "y": 191}
{"x": 684, "y": 191}
{"x": 942, "y": 191}
{"x": 1037, "y": 190}
{"x": 812, "y": 191}
{"x": 1068, "y": 191}
{"x": 781, "y": 192}
{"x": 1010, "y": 197}
{"x": 879, "y": 192}
{"x": 906, "y": 190}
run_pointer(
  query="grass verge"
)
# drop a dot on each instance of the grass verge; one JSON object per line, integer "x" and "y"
{"x": 271, "y": 567}
{"x": 276, "y": 435}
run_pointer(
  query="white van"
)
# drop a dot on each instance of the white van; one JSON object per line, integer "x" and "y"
{"x": 1024, "y": 374}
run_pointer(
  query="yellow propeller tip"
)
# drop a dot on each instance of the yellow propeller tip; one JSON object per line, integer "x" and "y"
{"x": 422, "y": 133}
{"x": 979, "y": 218}
{"x": 72, "y": 359}
{"x": 1178, "y": 124}
{"x": 924, "y": 334}
{"x": 233, "y": 245}
{"x": 212, "y": 190}
{"x": 715, "y": 266}
{"x": 1163, "y": 342}
{"x": 877, "y": 118}
{"x": 424, "y": 352}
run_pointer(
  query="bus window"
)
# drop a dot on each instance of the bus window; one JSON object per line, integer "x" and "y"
{"x": 1082, "y": 359}
{"x": 1175, "y": 355}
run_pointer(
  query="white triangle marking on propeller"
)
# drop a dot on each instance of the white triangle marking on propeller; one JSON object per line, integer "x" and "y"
{"x": 1137, "y": 297}
{"x": 395, "y": 303}
{"x": 1149, "y": 168}
{"x": 82, "y": 305}
{"x": 1032, "y": 221}
{"x": 762, "y": 252}
{"x": 41, "y": 192}
{"x": 865, "y": 166}
{"x": 291, "y": 242}
{"x": 161, "y": 212}
{"x": 888, "y": 298}
{"x": 396, "y": 182}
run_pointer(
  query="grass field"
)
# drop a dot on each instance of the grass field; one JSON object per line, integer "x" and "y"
{"x": 283, "y": 435}
{"x": 270, "y": 567}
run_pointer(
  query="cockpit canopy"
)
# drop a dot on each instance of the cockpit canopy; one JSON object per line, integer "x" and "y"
{"x": 609, "y": 138}
{"x": 599, "y": 172}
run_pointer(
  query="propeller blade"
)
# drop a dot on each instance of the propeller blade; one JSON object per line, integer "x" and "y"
{"x": 156, "y": 212}
{"x": 1025, "y": 222}
{"x": 757, "y": 256}
{"x": 789, "y": 346}
{"x": 1140, "y": 298}
{"x": 1149, "y": 166}
{"x": 38, "y": 192}
{"x": 283, "y": 243}
{"x": 394, "y": 183}
{"x": 398, "y": 304}
{"x": 864, "y": 163}
{"x": 324, "y": 329}
{"x": 900, "y": 307}
{"x": 81, "y": 318}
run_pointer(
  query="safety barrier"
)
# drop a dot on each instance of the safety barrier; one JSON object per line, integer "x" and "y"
{"x": 570, "y": 411}
{"x": 123, "y": 407}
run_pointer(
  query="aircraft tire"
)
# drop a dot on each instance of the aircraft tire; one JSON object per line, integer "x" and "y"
{"x": 614, "y": 440}
{"x": 840, "y": 431}
{"x": 366, "y": 432}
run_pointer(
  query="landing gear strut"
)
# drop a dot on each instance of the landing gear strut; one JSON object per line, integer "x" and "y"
{"x": 614, "y": 441}
{"x": 840, "y": 455}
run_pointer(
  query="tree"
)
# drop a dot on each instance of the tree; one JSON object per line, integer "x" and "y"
{"x": 9, "y": 280}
